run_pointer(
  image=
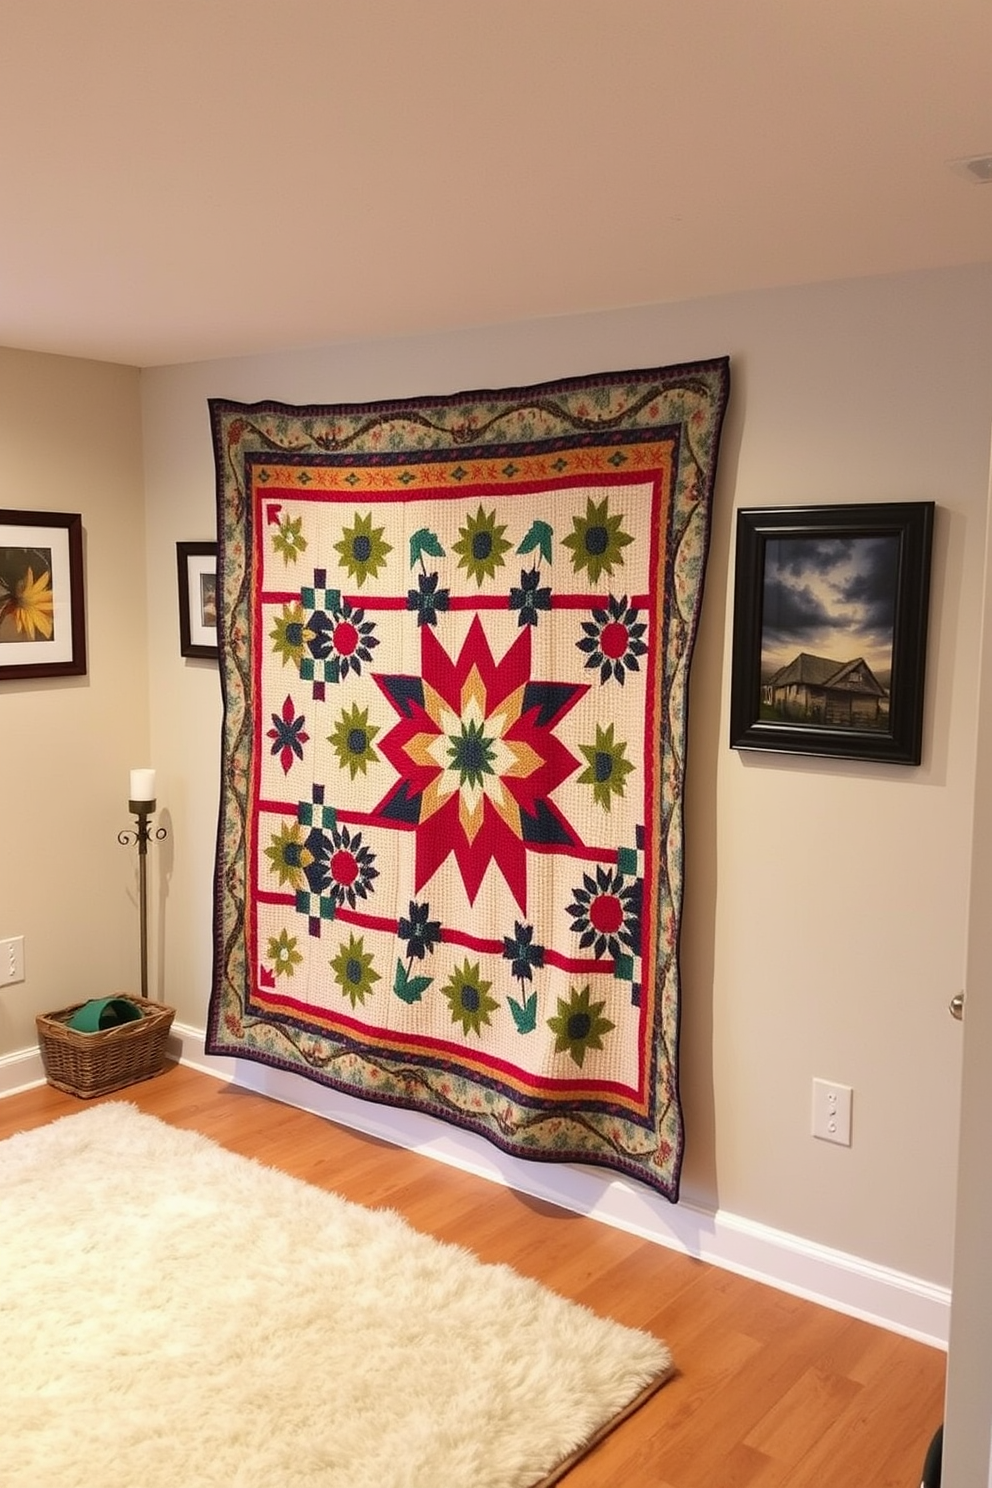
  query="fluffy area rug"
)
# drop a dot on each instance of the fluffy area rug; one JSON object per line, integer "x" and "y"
{"x": 171, "y": 1313}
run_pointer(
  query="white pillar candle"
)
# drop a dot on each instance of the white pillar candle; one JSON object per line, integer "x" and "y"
{"x": 142, "y": 785}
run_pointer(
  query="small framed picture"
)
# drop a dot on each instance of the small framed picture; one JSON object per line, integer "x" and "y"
{"x": 830, "y": 630}
{"x": 42, "y": 615}
{"x": 197, "y": 598}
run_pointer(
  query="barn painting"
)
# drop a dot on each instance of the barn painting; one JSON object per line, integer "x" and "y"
{"x": 828, "y": 617}
{"x": 828, "y": 693}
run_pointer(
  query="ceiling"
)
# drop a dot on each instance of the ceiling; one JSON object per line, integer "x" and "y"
{"x": 186, "y": 179}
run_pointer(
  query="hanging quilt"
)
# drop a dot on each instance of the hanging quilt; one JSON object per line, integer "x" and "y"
{"x": 455, "y": 636}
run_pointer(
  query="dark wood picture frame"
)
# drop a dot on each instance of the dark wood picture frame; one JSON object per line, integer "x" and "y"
{"x": 42, "y": 610}
{"x": 197, "y": 563}
{"x": 830, "y": 628}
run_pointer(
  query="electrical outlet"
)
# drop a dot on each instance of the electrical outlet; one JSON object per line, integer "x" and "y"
{"x": 11, "y": 960}
{"x": 832, "y": 1112}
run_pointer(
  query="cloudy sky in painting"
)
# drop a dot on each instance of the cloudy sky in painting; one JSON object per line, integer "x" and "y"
{"x": 831, "y": 596}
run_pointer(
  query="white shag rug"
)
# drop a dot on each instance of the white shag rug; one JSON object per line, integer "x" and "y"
{"x": 175, "y": 1316}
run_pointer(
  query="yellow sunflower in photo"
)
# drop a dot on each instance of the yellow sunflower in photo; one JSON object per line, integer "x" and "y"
{"x": 30, "y": 604}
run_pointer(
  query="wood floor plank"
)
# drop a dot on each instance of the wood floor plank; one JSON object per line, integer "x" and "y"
{"x": 802, "y": 1416}
{"x": 769, "y": 1391}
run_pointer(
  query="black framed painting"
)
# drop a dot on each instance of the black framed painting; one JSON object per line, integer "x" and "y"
{"x": 42, "y": 615}
{"x": 197, "y": 562}
{"x": 830, "y": 628}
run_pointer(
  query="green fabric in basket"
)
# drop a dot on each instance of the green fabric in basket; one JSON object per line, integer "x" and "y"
{"x": 102, "y": 1013}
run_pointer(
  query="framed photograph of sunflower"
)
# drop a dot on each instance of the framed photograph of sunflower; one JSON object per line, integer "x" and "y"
{"x": 42, "y": 616}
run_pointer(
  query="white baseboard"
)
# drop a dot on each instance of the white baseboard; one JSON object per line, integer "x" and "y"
{"x": 880, "y": 1295}
{"x": 187, "y": 1045}
{"x": 890, "y": 1299}
{"x": 20, "y": 1071}
{"x": 23, "y": 1069}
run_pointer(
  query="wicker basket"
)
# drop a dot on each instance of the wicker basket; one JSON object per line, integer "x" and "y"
{"x": 88, "y": 1064}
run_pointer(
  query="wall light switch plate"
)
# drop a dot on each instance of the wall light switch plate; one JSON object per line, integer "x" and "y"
{"x": 11, "y": 960}
{"x": 832, "y": 1112}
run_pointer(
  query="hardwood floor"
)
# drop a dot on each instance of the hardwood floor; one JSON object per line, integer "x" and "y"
{"x": 769, "y": 1390}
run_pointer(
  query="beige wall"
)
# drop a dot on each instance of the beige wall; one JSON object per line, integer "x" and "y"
{"x": 825, "y": 905}
{"x": 826, "y": 901}
{"x": 70, "y": 440}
